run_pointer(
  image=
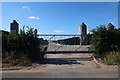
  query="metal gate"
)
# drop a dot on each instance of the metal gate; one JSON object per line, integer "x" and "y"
{"x": 64, "y": 43}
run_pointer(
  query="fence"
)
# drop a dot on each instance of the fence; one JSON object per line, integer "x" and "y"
{"x": 65, "y": 42}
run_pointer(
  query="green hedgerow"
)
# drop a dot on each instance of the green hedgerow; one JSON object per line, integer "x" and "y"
{"x": 23, "y": 48}
{"x": 105, "y": 41}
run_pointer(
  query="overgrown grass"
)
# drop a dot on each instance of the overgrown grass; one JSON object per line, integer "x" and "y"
{"x": 112, "y": 58}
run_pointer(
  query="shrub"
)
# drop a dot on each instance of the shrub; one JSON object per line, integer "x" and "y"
{"x": 105, "y": 42}
{"x": 23, "y": 48}
{"x": 112, "y": 59}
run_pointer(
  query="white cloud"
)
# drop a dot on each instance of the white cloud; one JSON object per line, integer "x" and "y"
{"x": 58, "y": 31}
{"x": 33, "y": 17}
{"x": 26, "y": 7}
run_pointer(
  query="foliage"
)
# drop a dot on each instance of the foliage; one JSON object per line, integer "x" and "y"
{"x": 112, "y": 59}
{"x": 105, "y": 41}
{"x": 21, "y": 48}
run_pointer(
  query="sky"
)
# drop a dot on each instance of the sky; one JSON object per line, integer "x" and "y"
{"x": 59, "y": 17}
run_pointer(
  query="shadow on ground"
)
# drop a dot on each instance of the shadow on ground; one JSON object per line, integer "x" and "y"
{"x": 63, "y": 61}
{"x": 11, "y": 69}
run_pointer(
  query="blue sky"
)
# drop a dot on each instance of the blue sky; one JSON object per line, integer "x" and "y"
{"x": 59, "y": 17}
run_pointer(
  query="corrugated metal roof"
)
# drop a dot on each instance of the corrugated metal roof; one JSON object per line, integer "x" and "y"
{"x": 110, "y": 25}
{"x": 14, "y": 21}
{"x": 82, "y": 24}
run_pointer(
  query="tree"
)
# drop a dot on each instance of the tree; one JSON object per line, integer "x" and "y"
{"x": 22, "y": 47}
{"x": 105, "y": 40}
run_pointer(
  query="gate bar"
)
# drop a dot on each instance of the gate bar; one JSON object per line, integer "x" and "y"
{"x": 68, "y": 52}
{"x": 58, "y": 35}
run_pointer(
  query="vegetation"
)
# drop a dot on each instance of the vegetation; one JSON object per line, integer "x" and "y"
{"x": 112, "y": 58}
{"x": 106, "y": 43}
{"x": 21, "y": 49}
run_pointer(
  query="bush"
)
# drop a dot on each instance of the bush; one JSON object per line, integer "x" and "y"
{"x": 112, "y": 59}
{"x": 23, "y": 48}
{"x": 104, "y": 41}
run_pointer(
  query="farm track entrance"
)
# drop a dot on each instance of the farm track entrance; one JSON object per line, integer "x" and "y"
{"x": 63, "y": 44}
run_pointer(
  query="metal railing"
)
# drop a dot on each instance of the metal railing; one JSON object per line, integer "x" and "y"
{"x": 63, "y": 42}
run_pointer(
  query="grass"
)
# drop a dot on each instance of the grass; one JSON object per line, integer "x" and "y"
{"x": 112, "y": 58}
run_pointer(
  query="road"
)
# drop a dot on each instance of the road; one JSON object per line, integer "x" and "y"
{"x": 88, "y": 74}
{"x": 60, "y": 47}
{"x": 65, "y": 66}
